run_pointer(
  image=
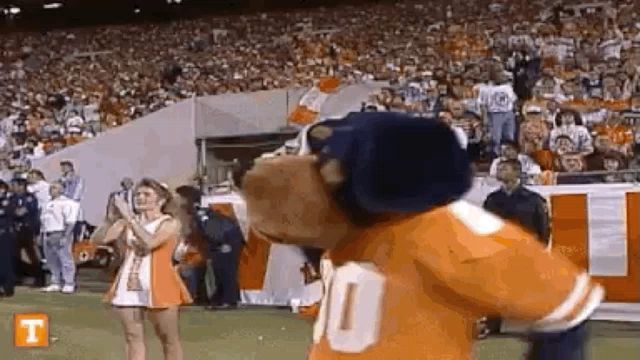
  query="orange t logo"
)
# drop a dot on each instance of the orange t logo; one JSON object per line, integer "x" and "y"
{"x": 31, "y": 330}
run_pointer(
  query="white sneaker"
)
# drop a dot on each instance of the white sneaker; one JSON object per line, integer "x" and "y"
{"x": 51, "y": 288}
{"x": 68, "y": 289}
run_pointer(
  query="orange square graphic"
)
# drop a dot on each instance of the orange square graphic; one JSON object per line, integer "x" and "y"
{"x": 31, "y": 330}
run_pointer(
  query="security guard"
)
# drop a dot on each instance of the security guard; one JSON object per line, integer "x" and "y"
{"x": 520, "y": 205}
{"x": 7, "y": 242}
{"x": 27, "y": 226}
{"x": 225, "y": 240}
{"x": 516, "y": 203}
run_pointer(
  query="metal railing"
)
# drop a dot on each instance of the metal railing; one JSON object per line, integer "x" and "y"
{"x": 632, "y": 175}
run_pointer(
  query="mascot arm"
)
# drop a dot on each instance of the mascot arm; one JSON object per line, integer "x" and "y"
{"x": 504, "y": 271}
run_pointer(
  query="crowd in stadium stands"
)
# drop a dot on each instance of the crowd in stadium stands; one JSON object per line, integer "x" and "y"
{"x": 556, "y": 86}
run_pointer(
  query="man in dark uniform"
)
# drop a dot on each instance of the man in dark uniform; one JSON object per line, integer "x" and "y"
{"x": 225, "y": 239}
{"x": 7, "y": 242}
{"x": 516, "y": 203}
{"x": 27, "y": 226}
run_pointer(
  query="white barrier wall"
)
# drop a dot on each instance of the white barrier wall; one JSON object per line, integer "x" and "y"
{"x": 160, "y": 145}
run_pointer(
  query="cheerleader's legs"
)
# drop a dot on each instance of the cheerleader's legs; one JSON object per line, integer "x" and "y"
{"x": 132, "y": 320}
{"x": 165, "y": 323}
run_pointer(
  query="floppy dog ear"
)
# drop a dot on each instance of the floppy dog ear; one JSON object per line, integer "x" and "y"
{"x": 398, "y": 163}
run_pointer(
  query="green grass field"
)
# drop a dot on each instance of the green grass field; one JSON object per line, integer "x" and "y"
{"x": 84, "y": 329}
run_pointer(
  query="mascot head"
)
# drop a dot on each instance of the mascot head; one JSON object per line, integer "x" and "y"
{"x": 356, "y": 171}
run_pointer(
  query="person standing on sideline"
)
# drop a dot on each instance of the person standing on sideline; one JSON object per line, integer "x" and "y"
{"x": 74, "y": 188}
{"x": 520, "y": 205}
{"x": 7, "y": 243}
{"x": 498, "y": 103}
{"x": 224, "y": 239}
{"x": 147, "y": 284}
{"x": 58, "y": 221}
{"x": 27, "y": 226}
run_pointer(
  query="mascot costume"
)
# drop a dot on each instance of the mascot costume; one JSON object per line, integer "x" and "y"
{"x": 408, "y": 266}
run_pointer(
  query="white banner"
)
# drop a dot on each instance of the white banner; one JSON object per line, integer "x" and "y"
{"x": 607, "y": 234}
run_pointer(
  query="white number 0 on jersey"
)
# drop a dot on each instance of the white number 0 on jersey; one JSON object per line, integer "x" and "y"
{"x": 349, "y": 314}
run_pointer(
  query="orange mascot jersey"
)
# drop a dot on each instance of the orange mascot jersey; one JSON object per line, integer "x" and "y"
{"x": 413, "y": 288}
